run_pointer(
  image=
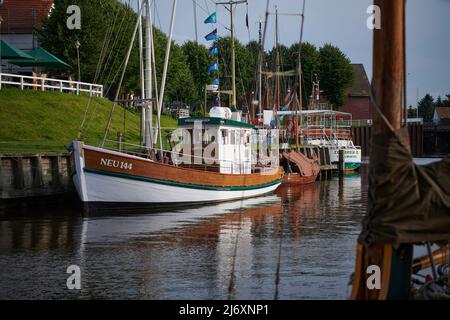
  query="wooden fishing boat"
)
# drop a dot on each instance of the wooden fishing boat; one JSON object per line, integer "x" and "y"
{"x": 408, "y": 203}
{"x": 217, "y": 157}
{"x": 299, "y": 169}
{"x": 104, "y": 175}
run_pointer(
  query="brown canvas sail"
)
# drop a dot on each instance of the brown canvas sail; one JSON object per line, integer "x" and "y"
{"x": 408, "y": 203}
{"x": 308, "y": 167}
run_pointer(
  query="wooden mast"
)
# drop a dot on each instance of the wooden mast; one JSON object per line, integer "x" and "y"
{"x": 233, "y": 54}
{"x": 387, "y": 89}
{"x": 163, "y": 80}
{"x": 261, "y": 49}
{"x": 277, "y": 72}
{"x": 277, "y": 69}
{"x": 388, "y": 64}
{"x": 298, "y": 120}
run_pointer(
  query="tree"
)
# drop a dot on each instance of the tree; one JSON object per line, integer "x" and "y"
{"x": 446, "y": 102}
{"x": 438, "y": 102}
{"x": 310, "y": 60}
{"x": 253, "y": 49}
{"x": 180, "y": 84}
{"x": 411, "y": 112}
{"x": 198, "y": 60}
{"x": 426, "y": 107}
{"x": 336, "y": 74}
{"x": 106, "y": 30}
{"x": 245, "y": 67}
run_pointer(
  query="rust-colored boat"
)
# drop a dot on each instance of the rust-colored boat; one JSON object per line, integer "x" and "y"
{"x": 299, "y": 169}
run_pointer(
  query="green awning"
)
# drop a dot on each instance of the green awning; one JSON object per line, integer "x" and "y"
{"x": 8, "y": 51}
{"x": 42, "y": 58}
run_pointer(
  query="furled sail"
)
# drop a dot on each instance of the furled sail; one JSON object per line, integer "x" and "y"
{"x": 409, "y": 203}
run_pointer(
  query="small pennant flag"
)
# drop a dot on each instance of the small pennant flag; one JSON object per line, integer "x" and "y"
{"x": 211, "y": 36}
{"x": 212, "y": 68}
{"x": 218, "y": 100}
{"x": 213, "y": 51}
{"x": 212, "y": 18}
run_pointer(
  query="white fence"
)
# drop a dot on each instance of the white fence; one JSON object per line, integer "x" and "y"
{"x": 48, "y": 84}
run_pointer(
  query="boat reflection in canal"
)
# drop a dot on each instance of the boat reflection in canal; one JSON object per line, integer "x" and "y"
{"x": 220, "y": 251}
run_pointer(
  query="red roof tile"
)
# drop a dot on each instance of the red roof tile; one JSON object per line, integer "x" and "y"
{"x": 24, "y": 15}
{"x": 361, "y": 85}
{"x": 443, "y": 112}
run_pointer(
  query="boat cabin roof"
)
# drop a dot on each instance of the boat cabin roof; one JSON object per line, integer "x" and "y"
{"x": 211, "y": 121}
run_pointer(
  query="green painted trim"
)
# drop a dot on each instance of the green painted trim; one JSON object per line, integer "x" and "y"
{"x": 349, "y": 165}
{"x": 214, "y": 121}
{"x": 181, "y": 184}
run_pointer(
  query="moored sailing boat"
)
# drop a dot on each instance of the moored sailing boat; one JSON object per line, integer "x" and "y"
{"x": 299, "y": 169}
{"x": 217, "y": 159}
{"x": 409, "y": 204}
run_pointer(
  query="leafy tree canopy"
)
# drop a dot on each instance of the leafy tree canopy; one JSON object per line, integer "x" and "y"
{"x": 336, "y": 74}
{"x": 106, "y": 30}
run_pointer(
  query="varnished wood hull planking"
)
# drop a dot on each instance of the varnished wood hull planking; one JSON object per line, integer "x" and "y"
{"x": 297, "y": 179}
{"x": 107, "y": 176}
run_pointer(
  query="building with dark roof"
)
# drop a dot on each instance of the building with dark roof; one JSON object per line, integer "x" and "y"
{"x": 441, "y": 116}
{"x": 358, "y": 96}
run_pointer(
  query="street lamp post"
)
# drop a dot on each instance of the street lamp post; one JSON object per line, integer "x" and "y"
{"x": 77, "y": 45}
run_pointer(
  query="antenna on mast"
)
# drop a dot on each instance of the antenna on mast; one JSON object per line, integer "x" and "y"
{"x": 233, "y": 53}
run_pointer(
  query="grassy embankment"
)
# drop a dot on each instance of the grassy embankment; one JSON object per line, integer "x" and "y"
{"x": 41, "y": 122}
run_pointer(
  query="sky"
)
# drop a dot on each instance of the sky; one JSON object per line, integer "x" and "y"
{"x": 339, "y": 22}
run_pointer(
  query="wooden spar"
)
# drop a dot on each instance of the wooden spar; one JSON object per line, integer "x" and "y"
{"x": 141, "y": 73}
{"x": 233, "y": 49}
{"x": 163, "y": 81}
{"x": 388, "y": 64}
{"x": 387, "y": 89}
{"x": 260, "y": 60}
{"x": 298, "y": 120}
{"x": 277, "y": 70}
{"x": 149, "y": 139}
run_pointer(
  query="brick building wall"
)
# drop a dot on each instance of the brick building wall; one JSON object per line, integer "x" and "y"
{"x": 22, "y": 16}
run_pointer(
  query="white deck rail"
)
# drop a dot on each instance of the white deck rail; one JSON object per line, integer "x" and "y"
{"x": 48, "y": 84}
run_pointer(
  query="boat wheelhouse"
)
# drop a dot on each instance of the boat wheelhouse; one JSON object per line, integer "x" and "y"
{"x": 332, "y": 129}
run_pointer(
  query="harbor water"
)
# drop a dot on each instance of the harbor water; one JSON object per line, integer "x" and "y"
{"x": 230, "y": 250}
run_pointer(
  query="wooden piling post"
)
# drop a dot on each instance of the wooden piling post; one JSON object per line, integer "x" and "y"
{"x": 18, "y": 173}
{"x": 1, "y": 177}
{"x": 341, "y": 163}
{"x": 36, "y": 163}
{"x": 56, "y": 170}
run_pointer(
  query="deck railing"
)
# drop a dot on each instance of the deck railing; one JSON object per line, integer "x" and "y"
{"x": 49, "y": 84}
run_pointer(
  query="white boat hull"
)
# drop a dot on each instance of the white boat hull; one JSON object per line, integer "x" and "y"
{"x": 102, "y": 188}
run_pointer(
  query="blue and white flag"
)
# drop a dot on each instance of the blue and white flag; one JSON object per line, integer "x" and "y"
{"x": 212, "y": 35}
{"x": 212, "y": 18}
{"x": 212, "y": 68}
{"x": 213, "y": 51}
